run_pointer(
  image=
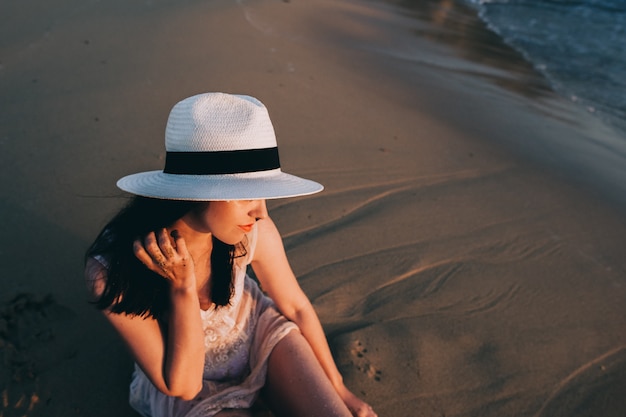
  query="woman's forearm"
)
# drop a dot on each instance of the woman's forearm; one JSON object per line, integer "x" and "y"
{"x": 313, "y": 332}
{"x": 184, "y": 360}
{"x": 307, "y": 320}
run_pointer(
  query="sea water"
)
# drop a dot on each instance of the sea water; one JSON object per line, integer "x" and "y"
{"x": 576, "y": 48}
{"x": 579, "y": 46}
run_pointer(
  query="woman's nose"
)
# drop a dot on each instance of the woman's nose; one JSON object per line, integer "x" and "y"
{"x": 259, "y": 211}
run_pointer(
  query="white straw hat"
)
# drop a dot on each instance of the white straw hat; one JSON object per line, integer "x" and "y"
{"x": 219, "y": 147}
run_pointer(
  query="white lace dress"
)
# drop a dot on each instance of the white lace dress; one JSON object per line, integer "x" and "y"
{"x": 238, "y": 340}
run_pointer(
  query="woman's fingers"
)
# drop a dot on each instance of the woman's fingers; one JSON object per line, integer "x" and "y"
{"x": 165, "y": 244}
{"x": 155, "y": 264}
{"x": 357, "y": 407}
{"x": 151, "y": 246}
{"x": 366, "y": 411}
{"x": 181, "y": 245}
{"x": 164, "y": 254}
{"x": 141, "y": 253}
{"x": 150, "y": 254}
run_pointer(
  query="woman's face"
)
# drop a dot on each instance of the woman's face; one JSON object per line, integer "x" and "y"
{"x": 228, "y": 221}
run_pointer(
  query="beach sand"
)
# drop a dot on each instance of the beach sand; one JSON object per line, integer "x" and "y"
{"x": 466, "y": 257}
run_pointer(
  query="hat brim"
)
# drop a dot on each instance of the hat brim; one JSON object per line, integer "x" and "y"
{"x": 256, "y": 186}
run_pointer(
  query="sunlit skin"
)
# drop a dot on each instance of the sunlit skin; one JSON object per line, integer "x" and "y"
{"x": 187, "y": 244}
{"x": 302, "y": 379}
{"x": 228, "y": 221}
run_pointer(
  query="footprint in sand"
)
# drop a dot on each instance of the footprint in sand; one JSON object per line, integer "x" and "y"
{"x": 28, "y": 345}
{"x": 360, "y": 361}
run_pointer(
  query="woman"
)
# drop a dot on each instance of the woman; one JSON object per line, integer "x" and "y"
{"x": 169, "y": 273}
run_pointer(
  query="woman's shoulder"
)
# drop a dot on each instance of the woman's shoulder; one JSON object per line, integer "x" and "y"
{"x": 262, "y": 231}
{"x": 95, "y": 276}
{"x": 268, "y": 242}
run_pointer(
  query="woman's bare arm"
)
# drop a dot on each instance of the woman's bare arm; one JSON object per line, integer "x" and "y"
{"x": 272, "y": 268}
{"x": 172, "y": 360}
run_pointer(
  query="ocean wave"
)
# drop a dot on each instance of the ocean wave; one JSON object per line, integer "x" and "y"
{"x": 576, "y": 45}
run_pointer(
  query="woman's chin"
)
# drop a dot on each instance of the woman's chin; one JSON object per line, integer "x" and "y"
{"x": 232, "y": 239}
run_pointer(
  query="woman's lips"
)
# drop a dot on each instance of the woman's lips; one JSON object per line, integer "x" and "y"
{"x": 246, "y": 227}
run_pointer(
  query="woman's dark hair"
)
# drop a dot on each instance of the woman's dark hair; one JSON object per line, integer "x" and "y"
{"x": 132, "y": 288}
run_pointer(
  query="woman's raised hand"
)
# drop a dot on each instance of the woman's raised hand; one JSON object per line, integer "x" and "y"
{"x": 167, "y": 256}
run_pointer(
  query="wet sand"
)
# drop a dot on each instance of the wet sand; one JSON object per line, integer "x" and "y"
{"x": 462, "y": 259}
